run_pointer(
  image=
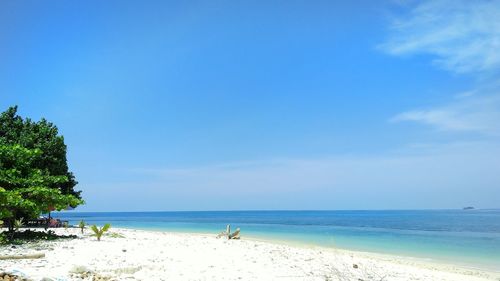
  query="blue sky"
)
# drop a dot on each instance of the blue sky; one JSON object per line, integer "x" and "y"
{"x": 224, "y": 105}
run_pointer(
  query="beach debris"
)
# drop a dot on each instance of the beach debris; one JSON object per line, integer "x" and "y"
{"x": 79, "y": 269}
{"x": 99, "y": 277}
{"x": 224, "y": 233}
{"x": 354, "y": 266}
{"x": 47, "y": 279}
{"x": 22, "y": 256}
{"x": 83, "y": 272}
{"x": 235, "y": 235}
{"x": 92, "y": 276}
{"x": 7, "y": 277}
{"x": 10, "y": 276}
{"x": 227, "y": 233}
{"x": 54, "y": 279}
{"x": 127, "y": 270}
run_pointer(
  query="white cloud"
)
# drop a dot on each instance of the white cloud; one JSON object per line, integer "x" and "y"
{"x": 468, "y": 113}
{"x": 463, "y": 35}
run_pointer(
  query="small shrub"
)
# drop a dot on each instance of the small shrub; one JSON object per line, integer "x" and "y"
{"x": 82, "y": 225}
{"x": 18, "y": 224}
{"x": 3, "y": 239}
{"x": 16, "y": 242}
{"x": 98, "y": 232}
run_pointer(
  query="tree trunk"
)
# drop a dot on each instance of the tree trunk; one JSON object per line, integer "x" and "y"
{"x": 10, "y": 225}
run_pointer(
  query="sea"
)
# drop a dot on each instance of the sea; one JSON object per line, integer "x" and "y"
{"x": 468, "y": 238}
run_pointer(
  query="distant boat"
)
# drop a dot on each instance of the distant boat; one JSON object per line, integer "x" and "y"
{"x": 468, "y": 208}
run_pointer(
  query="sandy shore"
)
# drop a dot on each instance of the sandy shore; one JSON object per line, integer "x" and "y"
{"x": 148, "y": 255}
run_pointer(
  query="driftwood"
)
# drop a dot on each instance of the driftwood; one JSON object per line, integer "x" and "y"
{"x": 228, "y": 234}
{"x": 20, "y": 257}
{"x": 235, "y": 235}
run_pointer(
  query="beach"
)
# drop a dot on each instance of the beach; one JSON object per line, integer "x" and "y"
{"x": 129, "y": 254}
{"x": 250, "y": 140}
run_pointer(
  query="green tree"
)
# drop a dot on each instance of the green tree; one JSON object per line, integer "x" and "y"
{"x": 27, "y": 191}
{"x": 34, "y": 174}
{"x": 41, "y": 135}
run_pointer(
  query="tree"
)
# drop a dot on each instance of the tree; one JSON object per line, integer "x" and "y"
{"x": 41, "y": 135}
{"x": 34, "y": 174}
{"x": 26, "y": 191}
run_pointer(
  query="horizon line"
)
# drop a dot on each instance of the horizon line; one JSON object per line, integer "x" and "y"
{"x": 285, "y": 210}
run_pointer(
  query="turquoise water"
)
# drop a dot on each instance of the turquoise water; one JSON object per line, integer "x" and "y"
{"x": 470, "y": 238}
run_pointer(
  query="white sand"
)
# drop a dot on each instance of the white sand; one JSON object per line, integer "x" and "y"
{"x": 148, "y": 255}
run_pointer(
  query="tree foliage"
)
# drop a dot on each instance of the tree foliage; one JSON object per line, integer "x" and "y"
{"x": 34, "y": 176}
{"x": 43, "y": 136}
{"x": 26, "y": 191}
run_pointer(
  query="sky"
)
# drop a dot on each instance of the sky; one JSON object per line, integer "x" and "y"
{"x": 264, "y": 105}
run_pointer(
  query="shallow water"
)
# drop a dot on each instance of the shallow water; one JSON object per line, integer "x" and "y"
{"x": 470, "y": 238}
